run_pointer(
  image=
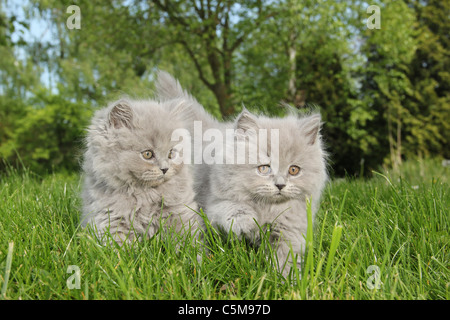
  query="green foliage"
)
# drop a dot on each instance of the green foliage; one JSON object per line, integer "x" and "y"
{"x": 391, "y": 50}
{"x": 429, "y": 131}
{"x": 401, "y": 83}
{"x": 383, "y": 93}
{"x": 48, "y": 135}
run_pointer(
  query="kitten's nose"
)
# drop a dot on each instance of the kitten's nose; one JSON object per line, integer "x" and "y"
{"x": 280, "y": 186}
{"x": 164, "y": 170}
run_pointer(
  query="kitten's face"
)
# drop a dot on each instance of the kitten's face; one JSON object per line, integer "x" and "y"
{"x": 276, "y": 185}
{"x": 149, "y": 162}
{"x": 141, "y": 143}
{"x": 290, "y": 169}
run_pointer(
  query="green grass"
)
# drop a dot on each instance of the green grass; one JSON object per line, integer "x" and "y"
{"x": 398, "y": 223}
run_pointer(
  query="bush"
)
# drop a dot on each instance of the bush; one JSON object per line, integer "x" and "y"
{"x": 49, "y": 135}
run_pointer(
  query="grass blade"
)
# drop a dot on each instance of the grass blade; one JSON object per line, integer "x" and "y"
{"x": 7, "y": 270}
{"x": 335, "y": 239}
{"x": 309, "y": 266}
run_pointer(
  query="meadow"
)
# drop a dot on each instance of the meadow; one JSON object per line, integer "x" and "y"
{"x": 385, "y": 237}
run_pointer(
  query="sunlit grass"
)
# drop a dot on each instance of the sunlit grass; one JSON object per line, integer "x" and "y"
{"x": 398, "y": 223}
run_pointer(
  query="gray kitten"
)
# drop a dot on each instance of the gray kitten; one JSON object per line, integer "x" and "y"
{"x": 132, "y": 181}
{"x": 271, "y": 192}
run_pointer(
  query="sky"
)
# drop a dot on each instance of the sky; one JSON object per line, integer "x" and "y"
{"x": 39, "y": 30}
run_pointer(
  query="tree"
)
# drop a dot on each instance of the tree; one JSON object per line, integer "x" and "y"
{"x": 17, "y": 79}
{"x": 389, "y": 52}
{"x": 429, "y": 130}
{"x": 210, "y": 32}
{"x": 383, "y": 93}
{"x": 304, "y": 57}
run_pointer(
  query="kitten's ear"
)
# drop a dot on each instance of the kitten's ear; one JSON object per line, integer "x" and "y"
{"x": 167, "y": 87}
{"x": 181, "y": 109}
{"x": 121, "y": 115}
{"x": 246, "y": 121}
{"x": 312, "y": 128}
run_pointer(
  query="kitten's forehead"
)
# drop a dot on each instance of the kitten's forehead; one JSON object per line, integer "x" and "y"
{"x": 157, "y": 137}
{"x": 154, "y": 126}
{"x": 288, "y": 138}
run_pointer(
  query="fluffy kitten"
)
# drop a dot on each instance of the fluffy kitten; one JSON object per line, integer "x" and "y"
{"x": 132, "y": 183}
{"x": 272, "y": 192}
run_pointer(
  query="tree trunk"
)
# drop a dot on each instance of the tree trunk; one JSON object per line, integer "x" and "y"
{"x": 292, "y": 52}
{"x": 399, "y": 139}
{"x": 222, "y": 93}
{"x": 391, "y": 139}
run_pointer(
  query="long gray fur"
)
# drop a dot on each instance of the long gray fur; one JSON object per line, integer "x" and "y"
{"x": 129, "y": 196}
{"x": 235, "y": 197}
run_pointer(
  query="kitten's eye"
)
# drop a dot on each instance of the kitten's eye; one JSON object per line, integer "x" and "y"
{"x": 171, "y": 154}
{"x": 294, "y": 170}
{"x": 148, "y": 154}
{"x": 264, "y": 169}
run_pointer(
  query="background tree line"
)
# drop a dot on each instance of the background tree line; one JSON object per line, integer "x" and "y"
{"x": 383, "y": 93}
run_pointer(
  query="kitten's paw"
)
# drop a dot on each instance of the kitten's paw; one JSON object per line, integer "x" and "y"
{"x": 121, "y": 238}
{"x": 242, "y": 224}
